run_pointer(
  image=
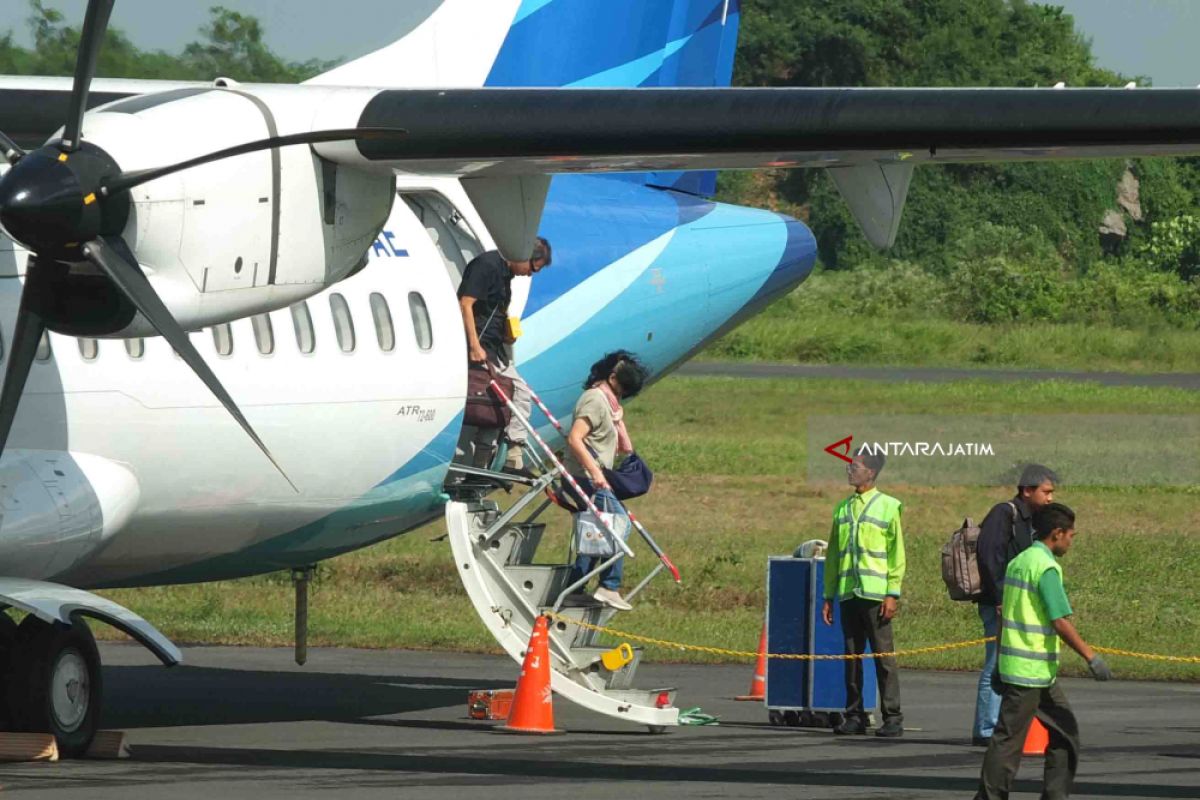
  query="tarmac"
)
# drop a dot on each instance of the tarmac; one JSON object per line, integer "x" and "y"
{"x": 238, "y": 722}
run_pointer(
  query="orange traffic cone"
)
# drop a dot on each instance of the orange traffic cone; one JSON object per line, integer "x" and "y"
{"x": 532, "y": 705}
{"x": 758, "y": 684}
{"x": 1036, "y": 740}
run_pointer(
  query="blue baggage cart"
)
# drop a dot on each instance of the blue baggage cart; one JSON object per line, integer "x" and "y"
{"x": 804, "y": 692}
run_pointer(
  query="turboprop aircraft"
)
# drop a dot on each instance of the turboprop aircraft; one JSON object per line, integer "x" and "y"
{"x": 228, "y": 317}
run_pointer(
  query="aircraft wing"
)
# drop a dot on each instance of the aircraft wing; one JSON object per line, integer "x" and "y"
{"x": 497, "y": 132}
{"x": 32, "y": 108}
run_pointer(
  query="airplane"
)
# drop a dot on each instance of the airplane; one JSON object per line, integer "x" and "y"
{"x": 179, "y": 253}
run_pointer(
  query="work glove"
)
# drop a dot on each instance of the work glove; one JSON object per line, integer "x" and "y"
{"x": 1099, "y": 669}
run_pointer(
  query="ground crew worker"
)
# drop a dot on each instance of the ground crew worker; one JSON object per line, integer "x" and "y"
{"x": 1005, "y": 532}
{"x": 864, "y": 567}
{"x": 1035, "y": 616}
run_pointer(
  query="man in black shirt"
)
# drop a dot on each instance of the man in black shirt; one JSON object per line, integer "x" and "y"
{"x": 1004, "y": 533}
{"x": 483, "y": 299}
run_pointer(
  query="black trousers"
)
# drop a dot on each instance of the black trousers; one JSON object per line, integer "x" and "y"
{"x": 1018, "y": 707}
{"x": 861, "y": 624}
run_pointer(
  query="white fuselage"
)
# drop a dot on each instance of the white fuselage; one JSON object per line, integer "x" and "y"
{"x": 340, "y": 421}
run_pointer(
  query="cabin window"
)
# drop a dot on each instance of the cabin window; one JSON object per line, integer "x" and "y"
{"x": 343, "y": 325}
{"x": 302, "y": 323}
{"x": 420, "y": 319}
{"x": 264, "y": 335}
{"x": 448, "y": 228}
{"x": 223, "y": 339}
{"x": 383, "y": 322}
{"x": 89, "y": 349}
{"x": 43, "y": 348}
{"x": 136, "y": 348}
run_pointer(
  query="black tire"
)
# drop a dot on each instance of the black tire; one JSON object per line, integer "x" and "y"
{"x": 791, "y": 719}
{"x": 836, "y": 718}
{"x": 8, "y": 639}
{"x": 775, "y": 718}
{"x": 56, "y": 685}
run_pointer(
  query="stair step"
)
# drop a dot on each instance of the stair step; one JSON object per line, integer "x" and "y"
{"x": 509, "y": 597}
{"x": 618, "y": 679}
{"x": 541, "y": 584}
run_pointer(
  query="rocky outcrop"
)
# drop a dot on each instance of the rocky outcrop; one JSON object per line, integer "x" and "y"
{"x": 1129, "y": 201}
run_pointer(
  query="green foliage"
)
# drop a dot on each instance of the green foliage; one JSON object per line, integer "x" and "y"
{"x": 1173, "y": 246}
{"x": 1000, "y": 275}
{"x": 232, "y": 47}
{"x": 912, "y": 43}
{"x": 985, "y": 244}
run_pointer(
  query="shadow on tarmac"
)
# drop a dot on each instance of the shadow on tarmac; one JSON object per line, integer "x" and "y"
{"x": 558, "y": 768}
{"x": 151, "y": 697}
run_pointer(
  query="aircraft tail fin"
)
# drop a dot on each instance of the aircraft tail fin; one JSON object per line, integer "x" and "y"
{"x": 570, "y": 43}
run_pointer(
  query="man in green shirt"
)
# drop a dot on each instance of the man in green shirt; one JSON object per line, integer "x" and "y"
{"x": 1034, "y": 619}
{"x": 864, "y": 567}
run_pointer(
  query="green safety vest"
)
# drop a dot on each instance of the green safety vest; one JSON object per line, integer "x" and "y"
{"x": 1028, "y": 641}
{"x": 863, "y": 548}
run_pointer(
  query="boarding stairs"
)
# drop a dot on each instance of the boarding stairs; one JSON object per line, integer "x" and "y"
{"x": 495, "y": 551}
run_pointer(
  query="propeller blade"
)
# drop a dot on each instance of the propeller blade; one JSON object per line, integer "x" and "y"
{"x": 12, "y": 152}
{"x": 128, "y": 180}
{"x": 95, "y": 23}
{"x": 115, "y": 259}
{"x": 26, "y": 335}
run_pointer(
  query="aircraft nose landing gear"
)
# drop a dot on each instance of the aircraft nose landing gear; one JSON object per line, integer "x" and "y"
{"x": 54, "y": 683}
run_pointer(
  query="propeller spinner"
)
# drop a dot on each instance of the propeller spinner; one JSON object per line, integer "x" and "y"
{"x": 68, "y": 202}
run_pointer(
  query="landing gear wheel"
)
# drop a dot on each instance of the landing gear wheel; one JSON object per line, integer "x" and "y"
{"x": 56, "y": 685}
{"x": 8, "y": 638}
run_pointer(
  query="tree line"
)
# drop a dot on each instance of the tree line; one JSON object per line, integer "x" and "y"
{"x": 988, "y": 243}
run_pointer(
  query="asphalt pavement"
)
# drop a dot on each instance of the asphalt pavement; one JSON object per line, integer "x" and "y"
{"x": 247, "y": 722}
{"x": 741, "y": 369}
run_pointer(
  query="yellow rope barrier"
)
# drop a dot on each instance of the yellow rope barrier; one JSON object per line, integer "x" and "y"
{"x": 721, "y": 651}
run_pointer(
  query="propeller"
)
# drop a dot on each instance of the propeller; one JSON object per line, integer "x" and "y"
{"x": 68, "y": 203}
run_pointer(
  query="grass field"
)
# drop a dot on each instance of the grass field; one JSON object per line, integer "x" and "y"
{"x": 784, "y": 333}
{"x": 730, "y": 458}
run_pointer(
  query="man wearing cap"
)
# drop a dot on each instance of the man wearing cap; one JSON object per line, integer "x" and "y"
{"x": 864, "y": 567}
{"x": 1036, "y": 616}
{"x": 1005, "y": 532}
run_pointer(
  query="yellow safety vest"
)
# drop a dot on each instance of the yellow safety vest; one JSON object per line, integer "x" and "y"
{"x": 1028, "y": 641}
{"x": 862, "y": 549}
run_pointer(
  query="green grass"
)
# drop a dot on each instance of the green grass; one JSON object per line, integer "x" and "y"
{"x": 794, "y": 334}
{"x": 729, "y": 457}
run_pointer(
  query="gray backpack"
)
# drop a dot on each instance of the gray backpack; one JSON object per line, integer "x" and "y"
{"x": 960, "y": 568}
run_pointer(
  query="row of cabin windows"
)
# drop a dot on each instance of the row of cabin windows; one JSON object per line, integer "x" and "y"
{"x": 302, "y": 326}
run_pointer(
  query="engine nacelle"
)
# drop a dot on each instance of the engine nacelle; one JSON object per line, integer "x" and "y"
{"x": 243, "y": 235}
{"x": 57, "y": 509}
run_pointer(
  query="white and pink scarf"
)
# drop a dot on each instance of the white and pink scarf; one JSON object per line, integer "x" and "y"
{"x": 624, "y": 443}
